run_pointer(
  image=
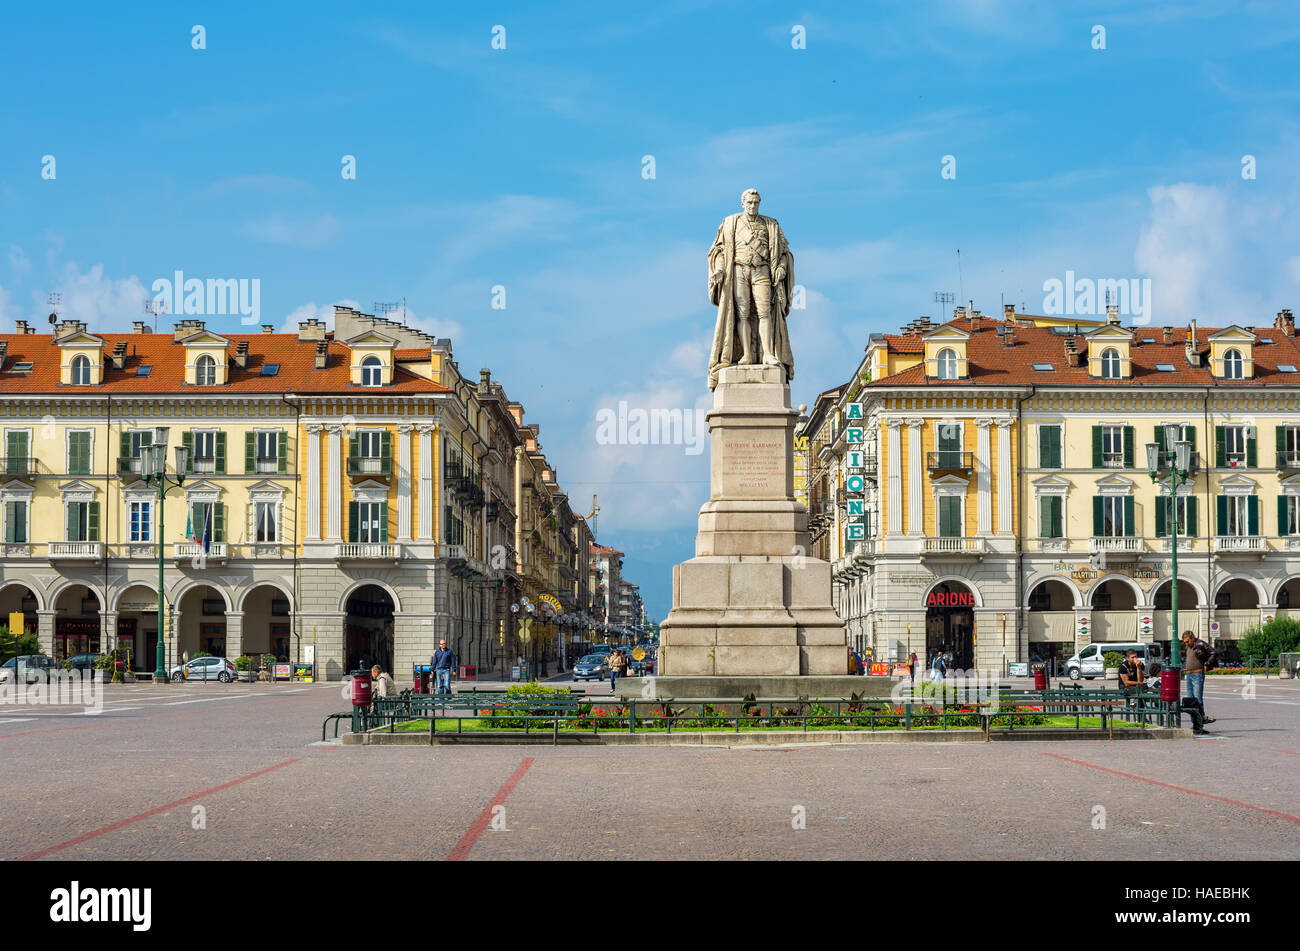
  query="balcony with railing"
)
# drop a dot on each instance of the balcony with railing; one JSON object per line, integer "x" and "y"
{"x": 1166, "y": 460}
{"x": 369, "y": 467}
{"x": 18, "y": 466}
{"x": 76, "y": 551}
{"x": 950, "y": 460}
{"x": 1288, "y": 460}
{"x": 130, "y": 467}
{"x": 368, "y": 551}
{"x": 1230, "y": 544}
{"x": 955, "y": 546}
{"x": 1115, "y": 543}
{"x": 216, "y": 550}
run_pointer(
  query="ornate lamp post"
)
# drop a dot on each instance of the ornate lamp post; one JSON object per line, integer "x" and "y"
{"x": 153, "y": 464}
{"x": 1173, "y": 470}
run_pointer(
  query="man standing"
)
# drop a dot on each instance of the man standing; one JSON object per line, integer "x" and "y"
{"x": 444, "y": 665}
{"x": 1197, "y": 654}
{"x": 751, "y": 281}
{"x": 1131, "y": 674}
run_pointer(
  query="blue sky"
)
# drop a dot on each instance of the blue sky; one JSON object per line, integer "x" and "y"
{"x": 522, "y": 168}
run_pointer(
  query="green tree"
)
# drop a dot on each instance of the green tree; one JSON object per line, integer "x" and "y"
{"x": 1280, "y": 635}
{"x": 11, "y": 646}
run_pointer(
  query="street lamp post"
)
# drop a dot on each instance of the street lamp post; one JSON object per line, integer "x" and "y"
{"x": 1179, "y": 468}
{"x": 153, "y": 463}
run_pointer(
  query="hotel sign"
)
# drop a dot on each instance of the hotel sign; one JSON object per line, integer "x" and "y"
{"x": 950, "y": 599}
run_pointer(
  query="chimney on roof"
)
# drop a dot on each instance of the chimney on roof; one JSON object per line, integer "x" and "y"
{"x": 1112, "y": 314}
{"x": 322, "y": 355}
{"x": 68, "y": 327}
{"x": 1168, "y": 334}
{"x": 975, "y": 316}
{"x": 4, "y": 349}
{"x": 186, "y": 328}
{"x": 1190, "y": 348}
{"x": 1285, "y": 322}
{"x": 1009, "y": 335}
{"x": 311, "y": 330}
{"x": 241, "y": 354}
{"x": 22, "y": 328}
{"x": 118, "y": 356}
{"x": 1008, "y": 311}
{"x": 959, "y": 313}
{"x": 268, "y": 329}
{"x": 1071, "y": 353}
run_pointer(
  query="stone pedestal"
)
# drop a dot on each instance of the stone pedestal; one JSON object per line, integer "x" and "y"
{"x": 752, "y": 602}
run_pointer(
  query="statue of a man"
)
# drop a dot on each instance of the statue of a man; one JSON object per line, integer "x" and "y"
{"x": 751, "y": 280}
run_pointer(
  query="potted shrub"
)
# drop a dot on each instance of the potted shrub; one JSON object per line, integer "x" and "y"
{"x": 1112, "y": 660}
{"x": 244, "y": 665}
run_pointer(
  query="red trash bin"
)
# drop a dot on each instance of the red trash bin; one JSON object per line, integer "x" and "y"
{"x": 1040, "y": 678}
{"x": 1169, "y": 685}
{"x": 360, "y": 689}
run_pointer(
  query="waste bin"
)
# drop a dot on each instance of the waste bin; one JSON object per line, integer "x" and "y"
{"x": 1040, "y": 677}
{"x": 1169, "y": 685}
{"x": 420, "y": 677}
{"x": 360, "y": 688}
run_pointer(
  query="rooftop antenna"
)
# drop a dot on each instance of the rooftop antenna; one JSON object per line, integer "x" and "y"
{"x": 54, "y": 300}
{"x": 384, "y": 308}
{"x": 944, "y": 299}
{"x": 154, "y": 307}
{"x": 595, "y": 512}
{"x": 961, "y": 288}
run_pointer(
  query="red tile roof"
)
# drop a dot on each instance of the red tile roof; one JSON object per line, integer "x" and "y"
{"x": 992, "y": 363}
{"x": 297, "y": 373}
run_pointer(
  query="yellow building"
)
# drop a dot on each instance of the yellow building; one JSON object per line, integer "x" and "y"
{"x": 1013, "y": 517}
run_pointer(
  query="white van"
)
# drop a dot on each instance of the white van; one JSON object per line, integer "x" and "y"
{"x": 1089, "y": 662}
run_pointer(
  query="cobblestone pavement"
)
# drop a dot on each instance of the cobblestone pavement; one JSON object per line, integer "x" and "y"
{"x": 239, "y": 762}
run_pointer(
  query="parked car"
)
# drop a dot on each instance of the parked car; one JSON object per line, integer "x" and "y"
{"x": 591, "y": 667}
{"x": 206, "y": 668}
{"x": 32, "y": 668}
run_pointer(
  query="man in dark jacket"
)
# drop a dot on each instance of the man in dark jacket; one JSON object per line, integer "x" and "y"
{"x": 1197, "y": 653}
{"x": 444, "y": 667}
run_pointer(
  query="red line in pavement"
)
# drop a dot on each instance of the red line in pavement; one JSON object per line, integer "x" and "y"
{"x": 152, "y": 812}
{"x": 1155, "y": 782}
{"x": 1287, "y": 752}
{"x": 54, "y": 729}
{"x": 467, "y": 841}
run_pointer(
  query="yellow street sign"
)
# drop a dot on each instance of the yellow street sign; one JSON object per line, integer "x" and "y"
{"x": 638, "y": 653}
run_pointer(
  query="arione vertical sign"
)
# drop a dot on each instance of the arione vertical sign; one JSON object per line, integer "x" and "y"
{"x": 854, "y": 483}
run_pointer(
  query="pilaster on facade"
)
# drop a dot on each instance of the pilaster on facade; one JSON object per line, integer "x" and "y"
{"x": 915, "y": 464}
{"x": 895, "y": 476}
{"x": 984, "y": 477}
{"x": 334, "y": 487}
{"x": 404, "y": 482}
{"x": 424, "y": 531}
{"x": 311, "y": 500}
{"x": 1004, "y": 475}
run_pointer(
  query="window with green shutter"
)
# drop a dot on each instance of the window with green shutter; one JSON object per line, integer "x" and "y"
{"x": 79, "y": 452}
{"x": 250, "y": 452}
{"x": 16, "y": 452}
{"x": 950, "y": 525}
{"x": 1049, "y": 447}
{"x": 220, "y": 455}
{"x": 16, "y": 522}
{"x": 282, "y": 452}
{"x": 1128, "y": 447}
{"x": 1049, "y": 516}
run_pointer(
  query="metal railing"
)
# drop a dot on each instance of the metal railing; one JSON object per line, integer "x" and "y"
{"x": 1288, "y": 459}
{"x": 18, "y": 465}
{"x": 950, "y": 459}
{"x": 369, "y": 466}
{"x": 577, "y": 714}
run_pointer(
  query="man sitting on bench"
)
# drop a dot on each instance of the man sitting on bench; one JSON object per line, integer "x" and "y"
{"x": 1131, "y": 675}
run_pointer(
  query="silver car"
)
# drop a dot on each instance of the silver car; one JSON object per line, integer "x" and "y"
{"x": 32, "y": 668}
{"x": 206, "y": 668}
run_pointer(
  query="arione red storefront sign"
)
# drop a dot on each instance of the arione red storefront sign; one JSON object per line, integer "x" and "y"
{"x": 950, "y": 599}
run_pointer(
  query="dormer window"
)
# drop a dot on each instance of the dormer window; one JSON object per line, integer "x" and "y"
{"x": 205, "y": 372}
{"x": 947, "y": 364}
{"x": 81, "y": 371}
{"x": 372, "y": 372}
{"x": 1110, "y": 364}
{"x": 1233, "y": 365}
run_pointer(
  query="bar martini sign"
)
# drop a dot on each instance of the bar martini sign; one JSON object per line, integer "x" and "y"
{"x": 855, "y": 437}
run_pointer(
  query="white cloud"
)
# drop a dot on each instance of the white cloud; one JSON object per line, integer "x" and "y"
{"x": 102, "y": 302}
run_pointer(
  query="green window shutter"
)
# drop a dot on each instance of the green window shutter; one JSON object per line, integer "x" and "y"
{"x": 1098, "y": 522}
{"x": 1045, "y": 516}
{"x": 1281, "y": 438}
{"x": 1129, "y": 521}
{"x": 1162, "y": 512}
{"x": 124, "y": 445}
{"x": 250, "y": 452}
{"x": 11, "y": 520}
{"x": 1096, "y": 450}
{"x": 446, "y": 517}
{"x": 219, "y": 522}
{"x": 1190, "y": 433}
{"x": 1281, "y": 515}
{"x": 386, "y": 445}
{"x": 1160, "y": 437}
{"x": 69, "y": 521}
{"x": 1220, "y": 448}
{"x": 1058, "y": 517}
{"x": 383, "y": 520}
{"x": 221, "y": 453}
{"x": 187, "y": 440}
{"x": 282, "y": 447}
{"x": 1221, "y": 526}
{"x": 1252, "y": 459}
{"x": 92, "y": 523}
{"x": 354, "y": 447}
{"x": 1190, "y": 529}
{"x": 1128, "y": 447}
{"x": 1252, "y": 515}
{"x": 353, "y": 515}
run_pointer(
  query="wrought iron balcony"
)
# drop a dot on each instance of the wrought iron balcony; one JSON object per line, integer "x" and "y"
{"x": 950, "y": 460}
{"x": 369, "y": 467}
{"x": 1288, "y": 460}
{"x": 131, "y": 467}
{"x": 19, "y": 465}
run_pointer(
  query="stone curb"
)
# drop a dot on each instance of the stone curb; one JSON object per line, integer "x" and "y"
{"x": 815, "y": 737}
